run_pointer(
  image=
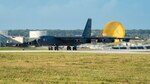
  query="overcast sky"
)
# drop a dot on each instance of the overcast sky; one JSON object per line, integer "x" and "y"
{"x": 72, "y": 14}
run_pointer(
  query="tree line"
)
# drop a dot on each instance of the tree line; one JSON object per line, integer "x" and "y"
{"x": 129, "y": 33}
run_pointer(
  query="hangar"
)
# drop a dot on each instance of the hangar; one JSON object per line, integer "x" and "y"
{"x": 7, "y": 41}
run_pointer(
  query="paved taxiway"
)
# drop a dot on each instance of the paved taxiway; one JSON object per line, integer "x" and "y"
{"x": 86, "y": 51}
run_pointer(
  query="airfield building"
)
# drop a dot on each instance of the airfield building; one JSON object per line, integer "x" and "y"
{"x": 37, "y": 34}
{"x": 4, "y": 32}
{"x": 18, "y": 38}
{"x": 7, "y": 41}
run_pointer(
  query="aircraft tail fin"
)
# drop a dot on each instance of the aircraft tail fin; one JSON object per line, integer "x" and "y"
{"x": 87, "y": 30}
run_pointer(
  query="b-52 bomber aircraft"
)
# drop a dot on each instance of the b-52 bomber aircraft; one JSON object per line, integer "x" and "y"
{"x": 72, "y": 42}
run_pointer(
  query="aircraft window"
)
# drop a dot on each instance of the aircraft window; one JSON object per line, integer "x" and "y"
{"x": 44, "y": 39}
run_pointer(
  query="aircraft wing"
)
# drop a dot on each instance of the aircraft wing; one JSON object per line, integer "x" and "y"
{"x": 68, "y": 38}
{"x": 107, "y": 39}
{"x": 103, "y": 39}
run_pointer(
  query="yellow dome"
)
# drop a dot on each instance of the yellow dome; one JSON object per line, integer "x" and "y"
{"x": 114, "y": 29}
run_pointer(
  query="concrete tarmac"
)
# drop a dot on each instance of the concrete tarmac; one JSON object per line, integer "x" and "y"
{"x": 84, "y": 51}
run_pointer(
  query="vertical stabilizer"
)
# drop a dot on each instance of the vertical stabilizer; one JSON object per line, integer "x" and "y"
{"x": 87, "y": 30}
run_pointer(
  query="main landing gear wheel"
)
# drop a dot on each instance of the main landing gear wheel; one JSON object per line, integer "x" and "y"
{"x": 50, "y": 48}
{"x": 72, "y": 48}
{"x": 68, "y": 47}
{"x": 56, "y": 48}
{"x": 75, "y": 48}
{"x": 53, "y": 48}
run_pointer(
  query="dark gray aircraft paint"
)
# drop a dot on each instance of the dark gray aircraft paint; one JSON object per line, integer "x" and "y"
{"x": 71, "y": 42}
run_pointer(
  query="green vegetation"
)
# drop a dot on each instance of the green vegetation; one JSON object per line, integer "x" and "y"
{"x": 129, "y": 33}
{"x": 80, "y": 68}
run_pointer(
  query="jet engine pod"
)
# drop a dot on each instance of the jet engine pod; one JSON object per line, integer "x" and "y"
{"x": 114, "y": 29}
{"x": 107, "y": 40}
{"x": 88, "y": 41}
{"x": 126, "y": 40}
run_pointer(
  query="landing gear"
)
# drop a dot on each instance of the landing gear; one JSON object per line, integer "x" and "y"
{"x": 74, "y": 47}
{"x": 71, "y": 47}
{"x": 50, "y": 48}
{"x": 57, "y": 48}
{"x": 53, "y": 48}
{"x": 68, "y": 47}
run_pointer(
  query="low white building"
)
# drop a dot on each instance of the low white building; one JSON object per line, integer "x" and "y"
{"x": 37, "y": 34}
{"x": 18, "y": 38}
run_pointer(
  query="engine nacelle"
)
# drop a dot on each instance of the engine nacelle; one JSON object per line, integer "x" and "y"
{"x": 100, "y": 40}
{"x": 106, "y": 40}
{"x": 126, "y": 40}
{"x": 77, "y": 40}
{"x": 82, "y": 41}
{"x": 88, "y": 41}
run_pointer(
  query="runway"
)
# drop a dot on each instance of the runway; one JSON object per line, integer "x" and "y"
{"x": 84, "y": 51}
